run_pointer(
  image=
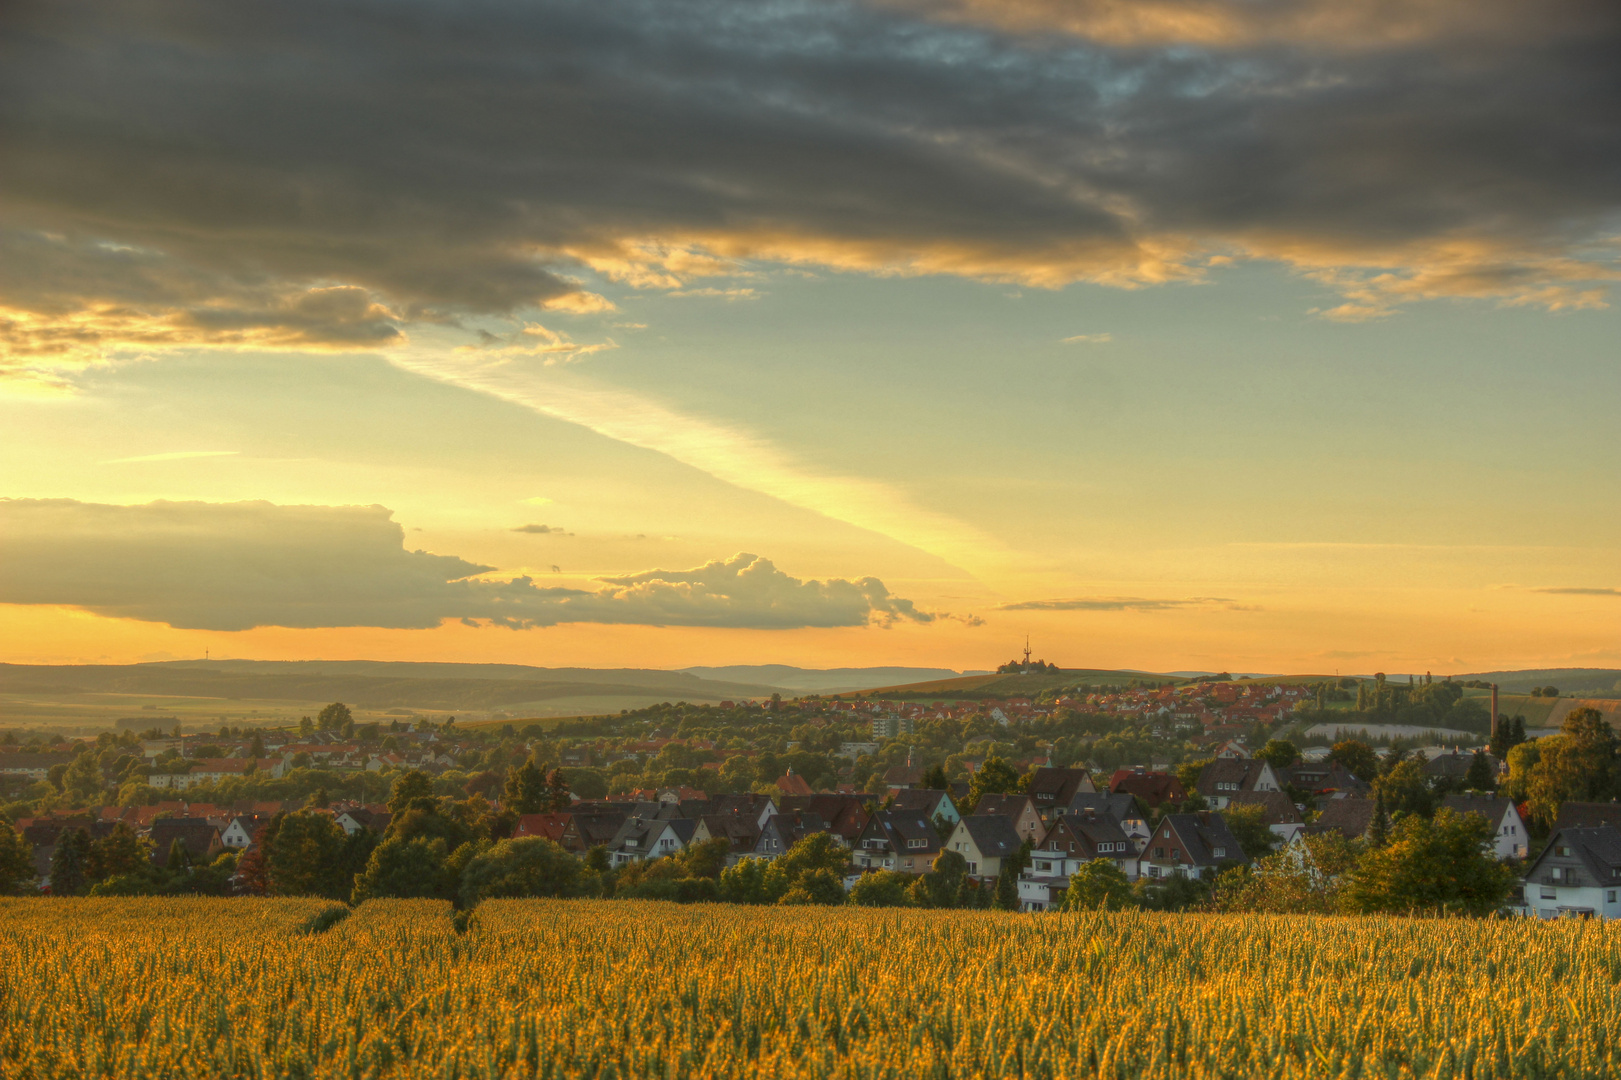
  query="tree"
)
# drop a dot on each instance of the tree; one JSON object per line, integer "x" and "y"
{"x": 68, "y": 863}
{"x": 411, "y": 785}
{"x": 1357, "y": 758}
{"x": 1522, "y": 761}
{"x": 256, "y": 749}
{"x": 1406, "y": 789}
{"x": 557, "y": 793}
{"x": 744, "y": 883}
{"x": 83, "y": 777}
{"x": 1188, "y": 773}
{"x": 817, "y": 887}
{"x": 406, "y": 868}
{"x": 304, "y": 856}
{"x": 16, "y": 859}
{"x": 938, "y": 888}
{"x": 882, "y": 888}
{"x": 1481, "y": 775}
{"x": 1440, "y": 865}
{"x": 1379, "y": 827}
{"x": 118, "y": 853}
{"x": 994, "y": 777}
{"x": 334, "y": 717}
{"x": 1247, "y": 822}
{"x": 1099, "y": 885}
{"x": 1302, "y": 879}
{"x": 934, "y": 779}
{"x": 1579, "y": 764}
{"x": 178, "y": 859}
{"x": 525, "y": 791}
{"x": 527, "y": 866}
{"x": 1279, "y": 753}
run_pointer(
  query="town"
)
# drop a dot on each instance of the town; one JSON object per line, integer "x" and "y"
{"x": 1163, "y": 796}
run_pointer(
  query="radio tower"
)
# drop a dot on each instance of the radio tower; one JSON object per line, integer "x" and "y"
{"x": 1026, "y": 654}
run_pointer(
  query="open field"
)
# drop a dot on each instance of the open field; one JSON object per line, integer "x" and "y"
{"x": 236, "y": 988}
{"x": 968, "y": 687}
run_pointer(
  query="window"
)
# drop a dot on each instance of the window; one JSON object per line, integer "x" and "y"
{"x": 1220, "y": 853}
{"x": 1176, "y": 853}
{"x": 1609, "y": 897}
{"x": 1562, "y": 849}
{"x": 1159, "y": 853}
{"x": 1549, "y": 894}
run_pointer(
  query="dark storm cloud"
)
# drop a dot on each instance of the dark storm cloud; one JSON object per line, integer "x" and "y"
{"x": 456, "y": 158}
{"x": 235, "y": 566}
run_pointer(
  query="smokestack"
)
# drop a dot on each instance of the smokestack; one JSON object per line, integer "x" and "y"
{"x": 1494, "y": 709}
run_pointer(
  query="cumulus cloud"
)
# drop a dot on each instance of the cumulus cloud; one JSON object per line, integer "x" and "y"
{"x": 326, "y": 173}
{"x": 235, "y": 566}
{"x": 1116, "y": 603}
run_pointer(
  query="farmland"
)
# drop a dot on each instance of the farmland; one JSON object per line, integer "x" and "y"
{"x": 193, "y": 988}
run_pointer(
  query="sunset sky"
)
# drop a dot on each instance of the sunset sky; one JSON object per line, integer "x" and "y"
{"x": 1177, "y": 334}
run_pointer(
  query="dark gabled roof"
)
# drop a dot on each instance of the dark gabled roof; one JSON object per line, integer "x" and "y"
{"x": 196, "y": 835}
{"x": 993, "y": 834}
{"x": 594, "y": 829}
{"x": 924, "y": 799}
{"x": 1118, "y": 805}
{"x": 1598, "y": 849}
{"x": 742, "y": 831}
{"x": 1094, "y": 828}
{"x": 1009, "y": 806}
{"x": 1051, "y": 786}
{"x": 1350, "y": 818}
{"x": 1588, "y": 815}
{"x": 1279, "y": 810}
{"x": 1490, "y": 807}
{"x": 683, "y": 828}
{"x": 1456, "y": 764}
{"x": 1321, "y": 776}
{"x": 1202, "y": 834}
{"x": 1245, "y": 772}
{"x": 1153, "y": 788}
{"x": 899, "y": 826}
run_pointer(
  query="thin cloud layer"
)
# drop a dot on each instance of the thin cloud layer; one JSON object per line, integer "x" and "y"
{"x": 1114, "y": 603}
{"x": 326, "y": 174}
{"x": 236, "y": 566}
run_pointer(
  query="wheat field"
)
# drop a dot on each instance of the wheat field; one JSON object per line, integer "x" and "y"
{"x": 275, "y": 988}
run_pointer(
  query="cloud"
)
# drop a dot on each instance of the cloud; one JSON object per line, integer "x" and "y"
{"x": 236, "y": 566}
{"x": 542, "y": 530}
{"x": 1118, "y": 603}
{"x": 1088, "y": 339}
{"x": 172, "y": 455}
{"x": 1580, "y": 592}
{"x": 328, "y": 173}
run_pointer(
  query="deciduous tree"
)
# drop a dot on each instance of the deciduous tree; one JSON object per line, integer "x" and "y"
{"x": 1431, "y": 865}
{"x": 1098, "y": 885}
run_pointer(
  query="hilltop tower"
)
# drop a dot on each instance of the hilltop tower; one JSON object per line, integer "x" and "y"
{"x": 1026, "y": 670}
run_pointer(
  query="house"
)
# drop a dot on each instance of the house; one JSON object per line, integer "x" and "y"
{"x": 1322, "y": 777}
{"x": 31, "y": 766}
{"x": 897, "y": 840}
{"x": 200, "y": 839}
{"x": 213, "y": 770}
{"x": 741, "y": 831}
{"x": 752, "y": 805}
{"x": 361, "y": 818}
{"x": 1455, "y": 766}
{"x": 902, "y": 777}
{"x": 1232, "y": 748}
{"x": 585, "y": 831}
{"x": 239, "y": 832}
{"x": 643, "y": 838}
{"x": 782, "y": 831}
{"x": 845, "y": 814}
{"x": 929, "y": 802}
{"x": 1118, "y": 807}
{"x": 1019, "y": 809}
{"x": 1190, "y": 845}
{"x": 1578, "y": 873}
{"x": 984, "y": 840}
{"x": 1281, "y": 815}
{"x": 889, "y": 727}
{"x": 1508, "y": 838}
{"x": 1081, "y": 838}
{"x": 1587, "y": 815}
{"x": 550, "y": 826}
{"x": 789, "y": 784}
{"x": 1222, "y": 778}
{"x": 1052, "y": 789}
{"x": 1153, "y": 788}
{"x": 1351, "y": 818}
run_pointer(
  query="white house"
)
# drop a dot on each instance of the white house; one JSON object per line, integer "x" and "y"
{"x": 1508, "y": 828}
{"x": 1577, "y": 874}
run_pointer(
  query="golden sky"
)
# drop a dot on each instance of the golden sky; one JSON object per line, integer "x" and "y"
{"x": 623, "y": 334}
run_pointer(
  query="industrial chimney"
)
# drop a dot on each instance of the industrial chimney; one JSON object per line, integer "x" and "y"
{"x": 1494, "y": 711}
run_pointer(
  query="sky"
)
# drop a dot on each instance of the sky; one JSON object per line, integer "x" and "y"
{"x": 1174, "y": 334}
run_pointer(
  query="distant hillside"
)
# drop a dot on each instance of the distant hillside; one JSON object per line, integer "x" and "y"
{"x": 1576, "y": 682}
{"x": 374, "y": 686}
{"x": 970, "y": 687}
{"x": 825, "y": 680}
